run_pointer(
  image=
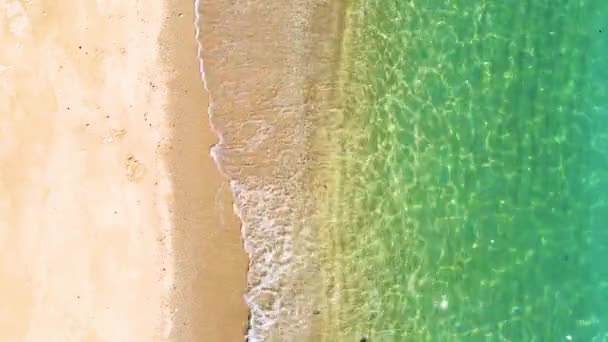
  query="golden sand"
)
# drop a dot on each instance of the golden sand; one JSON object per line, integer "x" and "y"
{"x": 114, "y": 222}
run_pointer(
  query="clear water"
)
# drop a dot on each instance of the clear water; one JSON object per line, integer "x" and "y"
{"x": 472, "y": 196}
{"x": 459, "y": 190}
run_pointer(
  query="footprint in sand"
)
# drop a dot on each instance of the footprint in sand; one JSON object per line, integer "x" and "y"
{"x": 135, "y": 169}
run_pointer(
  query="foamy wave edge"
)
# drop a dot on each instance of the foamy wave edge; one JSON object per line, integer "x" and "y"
{"x": 264, "y": 297}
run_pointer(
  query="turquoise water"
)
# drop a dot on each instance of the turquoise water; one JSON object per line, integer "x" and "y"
{"x": 476, "y": 190}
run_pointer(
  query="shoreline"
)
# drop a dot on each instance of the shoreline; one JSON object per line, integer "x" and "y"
{"x": 120, "y": 154}
{"x": 270, "y": 88}
{"x": 210, "y": 263}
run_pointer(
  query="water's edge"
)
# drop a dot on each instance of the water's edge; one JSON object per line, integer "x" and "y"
{"x": 264, "y": 105}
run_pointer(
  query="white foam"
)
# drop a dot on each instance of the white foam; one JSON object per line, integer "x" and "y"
{"x": 261, "y": 318}
{"x": 269, "y": 211}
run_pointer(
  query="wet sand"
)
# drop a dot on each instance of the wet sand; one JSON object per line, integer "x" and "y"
{"x": 211, "y": 265}
{"x": 114, "y": 222}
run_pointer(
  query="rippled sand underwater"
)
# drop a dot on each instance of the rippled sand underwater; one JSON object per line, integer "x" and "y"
{"x": 479, "y": 194}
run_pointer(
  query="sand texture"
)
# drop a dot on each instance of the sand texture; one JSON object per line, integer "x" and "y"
{"x": 109, "y": 221}
{"x": 210, "y": 262}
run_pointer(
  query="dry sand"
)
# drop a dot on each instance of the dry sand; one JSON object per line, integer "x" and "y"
{"x": 110, "y": 229}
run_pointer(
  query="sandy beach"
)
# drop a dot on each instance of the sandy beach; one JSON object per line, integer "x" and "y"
{"x": 115, "y": 224}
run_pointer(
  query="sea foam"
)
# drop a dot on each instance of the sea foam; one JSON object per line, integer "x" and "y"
{"x": 261, "y": 124}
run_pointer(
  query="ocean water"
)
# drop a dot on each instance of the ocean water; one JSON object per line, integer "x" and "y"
{"x": 471, "y": 193}
{"x": 455, "y": 188}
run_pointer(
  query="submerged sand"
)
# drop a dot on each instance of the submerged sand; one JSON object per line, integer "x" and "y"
{"x": 114, "y": 223}
{"x": 270, "y": 67}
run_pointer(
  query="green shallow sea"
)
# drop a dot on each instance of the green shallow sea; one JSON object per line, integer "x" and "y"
{"x": 471, "y": 201}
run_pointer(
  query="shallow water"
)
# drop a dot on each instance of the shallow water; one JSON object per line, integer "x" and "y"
{"x": 478, "y": 198}
{"x": 266, "y": 82}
